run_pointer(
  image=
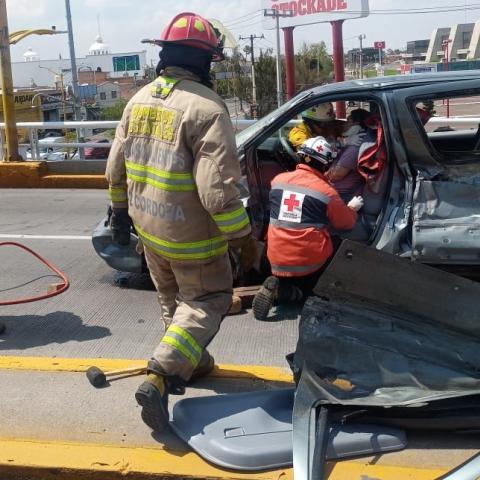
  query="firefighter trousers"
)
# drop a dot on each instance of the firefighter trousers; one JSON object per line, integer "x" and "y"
{"x": 194, "y": 298}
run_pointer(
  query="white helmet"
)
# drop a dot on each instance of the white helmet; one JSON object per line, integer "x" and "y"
{"x": 318, "y": 149}
{"x": 320, "y": 113}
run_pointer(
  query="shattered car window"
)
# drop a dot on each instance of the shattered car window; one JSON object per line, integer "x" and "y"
{"x": 451, "y": 124}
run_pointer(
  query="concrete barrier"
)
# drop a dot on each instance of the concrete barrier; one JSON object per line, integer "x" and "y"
{"x": 39, "y": 175}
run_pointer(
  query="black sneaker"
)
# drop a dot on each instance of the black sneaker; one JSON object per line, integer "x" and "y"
{"x": 264, "y": 299}
{"x": 152, "y": 396}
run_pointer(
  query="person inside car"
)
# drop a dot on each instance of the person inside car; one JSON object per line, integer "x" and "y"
{"x": 303, "y": 205}
{"x": 344, "y": 174}
{"x": 424, "y": 115}
{"x": 316, "y": 121}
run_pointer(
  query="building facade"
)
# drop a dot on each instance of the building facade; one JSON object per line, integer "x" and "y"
{"x": 35, "y": 71}
{"x": 463, "y": 43}
{"x": 416, "y": 51}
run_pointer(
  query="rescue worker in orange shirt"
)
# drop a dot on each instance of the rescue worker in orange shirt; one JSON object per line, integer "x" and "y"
{"x": 172, "y": 169}
{"x": 316, "y": 121}
{"x": 302, "y": 207}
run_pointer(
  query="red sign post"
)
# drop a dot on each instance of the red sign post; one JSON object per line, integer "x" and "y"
{"x": 379, "y": 46}
{"x": 309, "y": 12}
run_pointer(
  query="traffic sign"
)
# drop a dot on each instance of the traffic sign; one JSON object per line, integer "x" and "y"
{"x": 379, "y": 45}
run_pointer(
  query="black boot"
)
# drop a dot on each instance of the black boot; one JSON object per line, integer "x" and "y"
{"x": 152, "y": 396}
{"x": 264, "y": 299}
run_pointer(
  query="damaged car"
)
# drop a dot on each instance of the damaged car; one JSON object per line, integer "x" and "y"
{"x": 422, "y": 187}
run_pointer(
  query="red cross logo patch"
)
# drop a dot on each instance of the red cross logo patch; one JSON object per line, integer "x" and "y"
{"x": 291, "y": 202}
{"x": 291, "y": 206}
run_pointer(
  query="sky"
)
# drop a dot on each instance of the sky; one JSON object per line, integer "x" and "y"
{"x": 123, "y": 23}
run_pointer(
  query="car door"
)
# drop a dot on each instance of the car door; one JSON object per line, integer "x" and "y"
{"x": 446, "y": 201}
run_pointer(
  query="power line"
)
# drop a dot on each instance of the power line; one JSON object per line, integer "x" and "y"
{"x": 246, "y": 18}
{"x": 462, "y": 6}
{"x": 423, "y": 10}
{"x": 254, "y": 12}
{"x": 241, "y": 27}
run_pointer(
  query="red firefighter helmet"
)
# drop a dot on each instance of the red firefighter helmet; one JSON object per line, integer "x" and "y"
{"x": 193, "y": 30}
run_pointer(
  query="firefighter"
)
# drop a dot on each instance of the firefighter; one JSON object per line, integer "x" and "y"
{"x": 172, "y": 169}
{"x": 302, "y": 207}
{"x": 316, "y": 121}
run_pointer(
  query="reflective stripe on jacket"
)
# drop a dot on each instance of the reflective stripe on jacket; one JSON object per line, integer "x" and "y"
{"x": 174, "y": 164}
{"x": 302, "y": 205}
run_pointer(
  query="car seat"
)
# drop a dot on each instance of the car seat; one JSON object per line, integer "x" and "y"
{"x": 372, "y": 163}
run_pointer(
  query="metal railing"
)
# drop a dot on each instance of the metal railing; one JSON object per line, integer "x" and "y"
{"x": 34, "y": 146}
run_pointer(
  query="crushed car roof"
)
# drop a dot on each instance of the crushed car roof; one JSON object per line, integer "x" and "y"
{"x": 396, "y": 81}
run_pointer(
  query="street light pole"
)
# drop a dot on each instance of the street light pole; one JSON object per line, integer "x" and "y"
{"x": 277, "y": 14}
{"x": 8, "y": 99}
{"x": 254, "y": 84}
{"x": 279, "y": 68}
{"x": 73, "y": 62}
{"x": 361, "y": 37}
{"x": 445, "y": 45}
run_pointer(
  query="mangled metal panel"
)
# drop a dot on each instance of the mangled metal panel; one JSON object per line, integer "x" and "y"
{"x": 446, "y": 222}
{"x": 396, "y": 286}
{"x": 402, "y": 335}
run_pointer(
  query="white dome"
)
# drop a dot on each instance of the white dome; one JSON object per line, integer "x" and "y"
{"x": 98, "y": 47}
{"x": 30, "y": 55}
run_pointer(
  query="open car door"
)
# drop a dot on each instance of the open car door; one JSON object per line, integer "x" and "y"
{"x": 446, "y": 201}
{"x": 386, "y": 342}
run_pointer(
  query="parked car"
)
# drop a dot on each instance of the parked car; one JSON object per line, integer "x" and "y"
{"x": 425, "y": 204}
{"x": 97, "y": 153}
{"x": 48, "y": 150}
{"x": 94, "y": 153}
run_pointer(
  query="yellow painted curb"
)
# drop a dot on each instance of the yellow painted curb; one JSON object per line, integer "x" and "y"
{"x": 364, "y": 471}
{"x": 21, "y": 174}
{"x": 44, "y": 460}
{"x": 73, "y": 181}
{"x": 35, "y": 175}
{"x": 49, "y": 364}
{"x": 56, "y": 460}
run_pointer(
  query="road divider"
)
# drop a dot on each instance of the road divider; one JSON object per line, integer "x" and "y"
{"x": 37, "y": 175}
{"x": 51, "y": 364}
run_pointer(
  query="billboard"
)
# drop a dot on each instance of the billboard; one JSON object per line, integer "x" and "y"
{"x": 307, "y": 12}
{"x": 379, "y": 45}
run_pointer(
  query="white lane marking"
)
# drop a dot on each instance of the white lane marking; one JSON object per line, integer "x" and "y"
{"x": 46, "y": 237}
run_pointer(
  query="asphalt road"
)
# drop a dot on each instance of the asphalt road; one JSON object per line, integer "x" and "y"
{"x": 96, "y": 318}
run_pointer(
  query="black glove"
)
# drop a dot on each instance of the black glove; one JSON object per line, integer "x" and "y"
{"x": 121, "y": 225}
{"x": 248, "y": 251}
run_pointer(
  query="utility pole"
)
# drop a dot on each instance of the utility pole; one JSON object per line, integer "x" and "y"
{"x": 361, "y": 37}
{"x": 275, "y": 13}
{"x": 445, "y": 47}
{"x": 11, "y": 134}
{"x": 254, "y": 84}
{"x": 73, "y": 63}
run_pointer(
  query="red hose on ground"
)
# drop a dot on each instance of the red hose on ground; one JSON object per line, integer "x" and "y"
{"x": 53, "y": 268}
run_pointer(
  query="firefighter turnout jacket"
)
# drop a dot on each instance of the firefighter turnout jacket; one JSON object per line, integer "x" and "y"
{"x": 174, "y": 164}
{"x": 302, "y": 207}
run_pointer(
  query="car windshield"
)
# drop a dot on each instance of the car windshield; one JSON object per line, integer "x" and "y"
{"x": 250, "y": 132}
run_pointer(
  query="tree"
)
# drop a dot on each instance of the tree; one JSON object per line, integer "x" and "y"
{"x": 265, "y": 77}
{"x": 313, "y": 65}
{"x": 115, "y": 111}
{"x": 236, "y": 82}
